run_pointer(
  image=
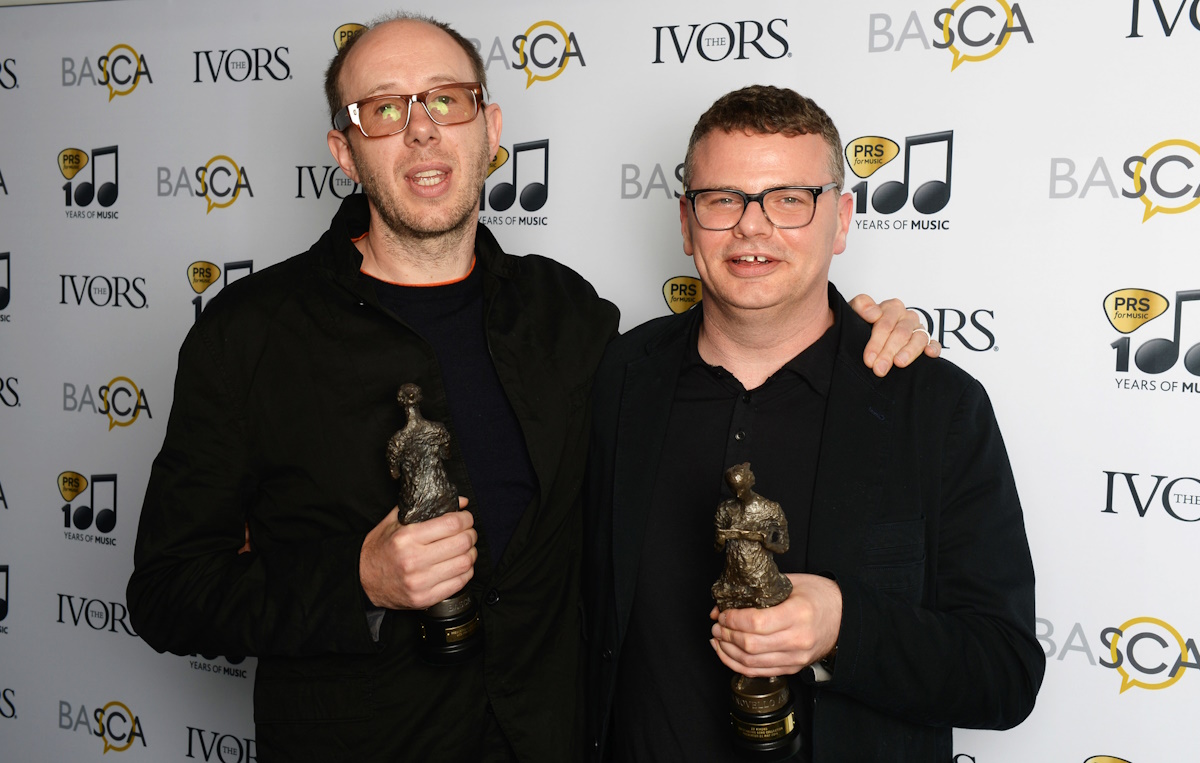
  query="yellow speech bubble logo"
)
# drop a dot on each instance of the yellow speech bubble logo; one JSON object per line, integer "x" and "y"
{"x": 530, "y": 77}
{"x": 1152, "y": 208}
{"x": 237, "y": 174}
{"x": 867, "y": 154}
{"x": 202, "y": 274}
{"x": 133, "y": 81}
{"x": 1105, "y": 759}
{"x": 71, "y": 484}
{"x": 129, "y": 716}
{"x": 497, "y": 161}
{"x": 108, "y": 398}
{"x": 682, "y": 293}
{"x": 1127, "y": 681}
{"x": 344, "y": 33}
{"x": 959, "y": 56}
{"x": 71, "y": 161}
{"x": 1129, "y": 309}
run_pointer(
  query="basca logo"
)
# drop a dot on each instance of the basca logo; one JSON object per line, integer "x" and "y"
{"x": 241, "y": 65}
{"x": 202, "y": 275}
{"x": 114, "y": 723}
{"x": 121, "y": 70}
{"x": 226, "y": 748}
{"x": 1165, "y": 178}
{"x": 533, "y": 194}
{"x": 682, "y": 293}
{"x": 972, "y": 30}
{"x": 96, "y": 614}
{"x": 542, "y": 52}
{"x": 103, "y": 291}
{"x": 1178, "y": 501}
{"x": 120, "y": 400}
{"x": 1127, "y": 311}
{"x": 722, "y": 41}
{"x": 934, "y": 159}
{"x": 332, "y": 179}
{"x": 101, "y": 509}
{"x": 1167, "y": 26}
{"x": 970, "y": 330}
{"x": 632, "y": 186}
{"x": 1105, "y": 759}
{"x": 219, "y": 182}
{"x": 9, "y": 396}
{"x": 1148, "y": 653}
{"x": 8, "y": 74}
{"x": 71, "y": 162}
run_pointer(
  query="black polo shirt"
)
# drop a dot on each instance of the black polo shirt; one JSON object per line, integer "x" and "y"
{"x": 672, "y": 696}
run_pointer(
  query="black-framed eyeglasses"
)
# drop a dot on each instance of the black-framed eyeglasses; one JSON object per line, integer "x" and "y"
{"x": 383, "y": 115}
{"x": 789, "y": 206}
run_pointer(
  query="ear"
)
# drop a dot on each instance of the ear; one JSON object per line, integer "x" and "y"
{"x": 845, "y": 210}
{"x": 494, "y": 120}
{"x": 684, "y": 226}
{"x": 339, "y": 146}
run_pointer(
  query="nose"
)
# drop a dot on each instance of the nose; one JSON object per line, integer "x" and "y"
{"x": 754, "y": 221}
{"x": 421, "y": 128}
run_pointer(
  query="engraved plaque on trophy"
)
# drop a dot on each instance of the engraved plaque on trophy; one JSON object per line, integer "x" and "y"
{"x": 450, "y": 629}
{"x": 751, "y": 529}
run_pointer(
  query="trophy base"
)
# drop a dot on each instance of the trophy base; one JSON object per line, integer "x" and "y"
{"x": 763, "y": 718}
{"x": 450, "y": 630}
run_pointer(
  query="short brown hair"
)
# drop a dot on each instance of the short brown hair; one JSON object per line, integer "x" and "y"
{"x": 333, "y": 94}
{"x": 767, "y": 110}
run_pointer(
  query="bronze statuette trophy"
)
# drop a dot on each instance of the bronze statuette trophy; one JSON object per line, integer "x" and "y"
{"x": 450, "y": 629}
{"x": 751, "y": 529}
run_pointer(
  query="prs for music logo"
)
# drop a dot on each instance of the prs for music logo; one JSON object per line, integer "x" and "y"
{"x": 972, "y": 30}
{"x": 934, "y": 158}
{"x": 102, "y": 511}
{"x": 202, "y": 275}
{"x": 1130, "y": 309}
{"x": 70, "y": 162}
{"x": 533, "y": 194}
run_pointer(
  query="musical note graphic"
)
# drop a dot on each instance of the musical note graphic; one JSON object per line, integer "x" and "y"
{"x": 106, "y": 518}
{"x": 4, "y": 288}
{"x": 533, "y": 195}
{"x": 107, "y": 194}
{"x": 1158, "y": 355}
{"x": 4, "y": 600}
{"x": 932, "y": 196}
{"x": 238, "y": 265}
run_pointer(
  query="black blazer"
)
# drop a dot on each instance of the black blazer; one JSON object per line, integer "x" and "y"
{"x": 915, "y": 514}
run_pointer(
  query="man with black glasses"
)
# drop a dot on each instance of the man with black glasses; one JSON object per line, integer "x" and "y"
{"x": 911, "y": 604}
{"x": 269, "y": 525}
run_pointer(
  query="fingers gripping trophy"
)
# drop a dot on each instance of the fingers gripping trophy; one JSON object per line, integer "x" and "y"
{"x": 751, "y": 529}
{"x": 449, "y": 629}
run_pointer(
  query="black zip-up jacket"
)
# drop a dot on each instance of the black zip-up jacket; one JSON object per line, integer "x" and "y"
{"x": 284, "y": 402}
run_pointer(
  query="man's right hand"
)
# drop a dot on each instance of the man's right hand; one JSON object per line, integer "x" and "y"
{"x": 415, "y": 566}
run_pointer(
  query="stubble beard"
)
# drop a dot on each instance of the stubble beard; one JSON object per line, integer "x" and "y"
{"x": 404, "y": 223}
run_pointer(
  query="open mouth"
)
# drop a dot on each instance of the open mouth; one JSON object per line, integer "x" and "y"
{"x": 427, "y": 178}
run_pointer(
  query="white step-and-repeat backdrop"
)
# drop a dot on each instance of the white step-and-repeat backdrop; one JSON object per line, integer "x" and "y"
{"x": 1025, "y": 174}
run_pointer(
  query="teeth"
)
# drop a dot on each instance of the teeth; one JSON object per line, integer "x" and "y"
{"x": 428, "y": 177}
{"x": 751, "y": 258}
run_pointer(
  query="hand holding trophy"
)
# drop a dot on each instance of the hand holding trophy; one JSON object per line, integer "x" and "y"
{"x": 449, "y": 629}
{"x": 751, "y": 529}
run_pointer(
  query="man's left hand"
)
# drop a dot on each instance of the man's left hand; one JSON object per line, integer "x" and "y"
{"x": 894, "y": 336}
{"x": 783, "y": 639}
